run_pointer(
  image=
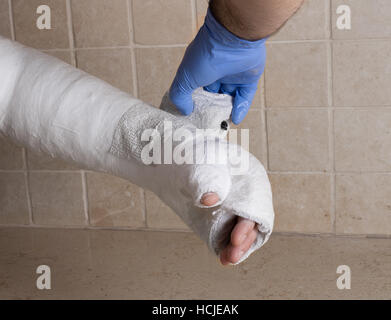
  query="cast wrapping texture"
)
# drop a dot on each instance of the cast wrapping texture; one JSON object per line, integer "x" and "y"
{"x": 49, "y": 106}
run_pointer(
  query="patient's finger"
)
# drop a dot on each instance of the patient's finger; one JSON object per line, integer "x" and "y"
{"x": 209, "y": 199}
{"x": 238, "y": 251}
{"x": 241, "y": 231}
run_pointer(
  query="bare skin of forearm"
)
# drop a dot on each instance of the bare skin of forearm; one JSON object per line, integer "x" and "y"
{"x": 253, "y": 19}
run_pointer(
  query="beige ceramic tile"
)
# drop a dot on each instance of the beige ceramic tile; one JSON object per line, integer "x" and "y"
{"x": 296, "y": 75}
{"x": 370, "y": 19}
{"x": 159, "y": 215}
{"x": 162, "y": 22}
{"x": 310, "y": 22}
{"x": 57, "y": 198}
{"x": 37, "y": 161}
{"x": 11, "y": 155}
{"x": 13, "y": 199}
{"x": 105, "y": 264}
{"x": 5, "y": 26}
{"x": 111, "y": 65}
{"x": 302, "y": 202}
{"x": 65, "y": 251}
{"x": 363, "y": 140}
{"x": 202, "y": 8}
{"x": 156, "y": 68}
{"x": 100, "y": 23}
{"x": 364, "y": 203}
{"x": 254, "y": 123}
{"x": 27, "y": 32}
{"x": 298, "y": 140}
{"x": 362, "y": 73}
{"x": 114, "y": 202}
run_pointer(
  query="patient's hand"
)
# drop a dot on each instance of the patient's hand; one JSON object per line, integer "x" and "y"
{"x": 242, "y": 236}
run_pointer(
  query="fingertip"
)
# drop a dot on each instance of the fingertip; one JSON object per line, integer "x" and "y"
{"x": 186, "y": 110}
{"x": 240, "y": 110}
{"x": 183, "y": 101}
{"x": 236, "y": 120}
{"x": 242, "y": 102}
{"x": 237, "y": 255}
{"x": 213, "y": 88}
{"x": 209, "y": 184}
{"x": 223, "y": 257}
{"x": 209, "y": 199}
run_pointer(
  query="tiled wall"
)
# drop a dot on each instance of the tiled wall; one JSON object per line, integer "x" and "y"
{"x": 321, "y": 122}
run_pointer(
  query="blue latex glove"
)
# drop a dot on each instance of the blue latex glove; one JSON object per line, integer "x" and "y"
{"x": 220, "y": 62}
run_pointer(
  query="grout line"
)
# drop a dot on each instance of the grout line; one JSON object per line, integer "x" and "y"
{"x": 330, "y": 98}
{"x": 265, "y": 108}
{"x": 55, "y": 50}
{"x": 334, "y": 201}
{"x": 29, "y": 203}
{"x": 334, "y": 235}
{"x": 264, "y": 140}
{"x": 144, "y": 199}
{"x": 193, "y": 16}
{"x": 362, "y": 108}
{"x": 184, "y": 45}
{"x": 267, "y": 143}
{"x": 270, "y": 171}
{"x": 85, "y": 196}
{"x": 27, "y": 186}
{"x": 129, "y": 16}
{"x": 299, "y": 172}
{"x": 337, "y": 173}
{"x": 329, "y": 20}
{"x": 132, "y": 48}
{"x": 325, "y": 40}
{"x": 71, "y": 37}
{"x": 362, "y": 40}
{"x": 91, "y": 227}
{"x": 43, "y": 171}
{"x": 11, "y": 17}
{"x": 277, "y": 233}
{"x": 271, "y": 41}
{"x": 297, "y": 107}
{"x": 263, "y": 90}
{"x": 342, "y": 172}
{"x": 332, "y": 169}
{"x": 331, "y": 141}
{"x": 147, "y": 46}
{"x": 134, "y": 45}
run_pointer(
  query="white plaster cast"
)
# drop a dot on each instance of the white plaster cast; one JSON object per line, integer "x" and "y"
{"x": 51, "y": 107}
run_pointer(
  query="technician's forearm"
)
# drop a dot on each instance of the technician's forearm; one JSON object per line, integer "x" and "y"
{"x": 253, "y": 19}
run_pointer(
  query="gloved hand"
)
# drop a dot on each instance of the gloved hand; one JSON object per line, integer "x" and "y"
{"x": 220, "y": 62}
